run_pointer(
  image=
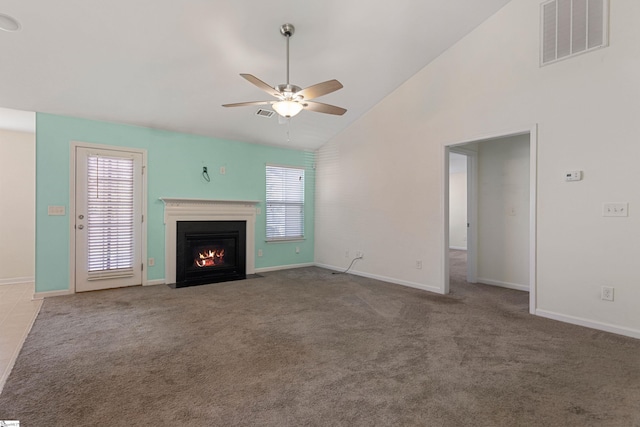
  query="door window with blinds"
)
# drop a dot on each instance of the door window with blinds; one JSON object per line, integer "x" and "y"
{"x": 108, "y": 232}
{"x": 285, "y": 203}
{"x": 110, "y": 216}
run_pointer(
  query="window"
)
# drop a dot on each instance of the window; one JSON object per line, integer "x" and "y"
{"x": 110, "y": 215}
{"x": 285, "y": 203}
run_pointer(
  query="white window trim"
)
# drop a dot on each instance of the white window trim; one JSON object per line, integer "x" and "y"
{"x": 286, "y": 238}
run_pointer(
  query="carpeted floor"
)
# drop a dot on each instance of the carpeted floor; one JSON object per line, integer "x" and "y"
{"x": 308, "y": 348}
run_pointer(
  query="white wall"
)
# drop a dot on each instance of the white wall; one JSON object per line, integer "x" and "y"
{"x": 17, "y": 206}
{"x": 503, "y": 212}
{"x": 457, "y": 201}
{"x": 380, "y": 182}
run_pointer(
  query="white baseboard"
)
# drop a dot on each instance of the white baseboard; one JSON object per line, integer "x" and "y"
{"x": 284, "y": 267}
{"x": 17, "y": 280}
{"x": 508, "y": 285}
{"x": 155, "y": 282}
{"x": 458, "y": 248}
{"x": 385, "y": 279}
{"x": 48, "y": 294}
{"x": 16, "y": 352}
{"x": 601, "y": 326}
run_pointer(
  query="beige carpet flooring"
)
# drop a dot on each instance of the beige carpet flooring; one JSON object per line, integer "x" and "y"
{"x": 306, "y": 347}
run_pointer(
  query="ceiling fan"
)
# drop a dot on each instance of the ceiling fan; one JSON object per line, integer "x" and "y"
{"x": 291, "y": 98}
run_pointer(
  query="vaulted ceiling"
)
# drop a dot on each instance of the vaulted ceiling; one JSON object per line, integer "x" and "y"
{"x": 171, "y": 64}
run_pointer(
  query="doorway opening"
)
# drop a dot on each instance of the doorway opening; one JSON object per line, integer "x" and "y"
{"x": 490, "y": 212}
{"x": 461, "y": 241}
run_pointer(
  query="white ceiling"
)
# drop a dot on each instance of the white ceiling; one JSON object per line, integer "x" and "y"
{"x": 171, "y": 64}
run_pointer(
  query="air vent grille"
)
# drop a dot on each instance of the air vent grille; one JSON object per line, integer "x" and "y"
{"x": 264, "y": 113}
{"x": 572, "y": 27}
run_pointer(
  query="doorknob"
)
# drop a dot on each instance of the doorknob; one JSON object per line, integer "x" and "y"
{"x": 81, "y": 216}
{"x": 80, "y": 227}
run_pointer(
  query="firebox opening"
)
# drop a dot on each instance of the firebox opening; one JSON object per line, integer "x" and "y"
{"x": 209, "y": 258}
{"x": 217, "y": 252}
{"x": 210, "y": 252}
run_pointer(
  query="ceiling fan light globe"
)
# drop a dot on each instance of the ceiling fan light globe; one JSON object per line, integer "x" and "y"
{"x": 287, "y": 108}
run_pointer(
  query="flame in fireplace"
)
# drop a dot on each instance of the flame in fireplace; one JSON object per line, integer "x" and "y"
{"x": 210, "y": 258}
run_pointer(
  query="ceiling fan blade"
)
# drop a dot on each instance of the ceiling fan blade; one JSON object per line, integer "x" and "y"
{"x": 319, "y": 107}
{"x": 260, "y": 84}
{"x": 245, "y": 104}
{"x": 320, "y": 89}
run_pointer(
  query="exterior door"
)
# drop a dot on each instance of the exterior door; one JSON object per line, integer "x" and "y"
{"x": 108, "y": 219}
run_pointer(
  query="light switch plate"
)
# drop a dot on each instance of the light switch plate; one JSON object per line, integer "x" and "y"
{"x": 56, "y": 210}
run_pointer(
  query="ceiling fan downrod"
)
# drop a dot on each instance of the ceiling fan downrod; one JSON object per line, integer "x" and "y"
{"x": 287, "y": 30}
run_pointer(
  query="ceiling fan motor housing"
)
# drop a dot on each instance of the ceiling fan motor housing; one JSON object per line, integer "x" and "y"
{"x": 288, "y": 90}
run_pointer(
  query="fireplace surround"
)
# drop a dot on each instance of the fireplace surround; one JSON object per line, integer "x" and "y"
{"x": 207, "y": 210}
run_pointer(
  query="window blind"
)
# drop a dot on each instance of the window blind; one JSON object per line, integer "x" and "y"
{"x": 285, "y": 203}
{"x": 110, "y": 217}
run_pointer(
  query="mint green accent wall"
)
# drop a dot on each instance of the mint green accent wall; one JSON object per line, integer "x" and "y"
{"x": 174, "y": 169}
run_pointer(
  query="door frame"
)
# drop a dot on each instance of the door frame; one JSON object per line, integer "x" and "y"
{"x": 532, "y": 131}
{"x": 72, "y": 205}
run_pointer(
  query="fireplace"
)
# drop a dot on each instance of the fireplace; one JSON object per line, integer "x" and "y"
{"x": 186, "y": 210}
{"x": 210, "y": 252}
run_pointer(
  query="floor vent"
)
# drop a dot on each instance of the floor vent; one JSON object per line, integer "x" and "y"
{"x": 264, "y": 113}
{"x": 572, "y": 27}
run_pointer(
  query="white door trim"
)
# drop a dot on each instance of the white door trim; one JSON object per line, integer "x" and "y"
{"x": 532, "y": 131}
{"x": 72, "y": 205}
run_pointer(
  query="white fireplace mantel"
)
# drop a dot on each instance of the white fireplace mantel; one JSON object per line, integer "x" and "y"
{"x": 181, "y": 209}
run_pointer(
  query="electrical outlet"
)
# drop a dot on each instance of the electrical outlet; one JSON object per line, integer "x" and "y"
{"x": 346, "y": 254}
{"x": 297, "y": 249}
{"x": 259, "y": 252}
{"x": 152, "y": 262}
{"x": 607, "y": 293}
{"x": 419, "y": 265}
{"x": 360, "y": 254}
{"x": 615, "y": 209}
{"x": 573, "y": 176}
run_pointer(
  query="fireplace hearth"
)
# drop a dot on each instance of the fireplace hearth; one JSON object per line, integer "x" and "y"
{"x": 210, "y": 252}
